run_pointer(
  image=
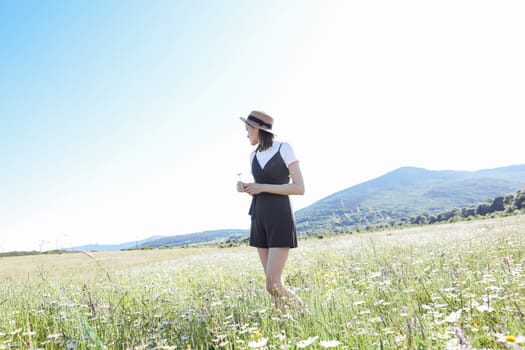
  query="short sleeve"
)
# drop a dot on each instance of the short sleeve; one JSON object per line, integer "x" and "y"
{"x": 288, "y": 154}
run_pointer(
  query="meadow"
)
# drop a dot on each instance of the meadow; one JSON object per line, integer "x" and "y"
{"x": 446, "y": 286}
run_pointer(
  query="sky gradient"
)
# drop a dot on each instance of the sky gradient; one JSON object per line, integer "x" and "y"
{"x": 119, "y": 120}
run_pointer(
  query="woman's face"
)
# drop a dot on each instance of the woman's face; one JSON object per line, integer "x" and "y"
{"x": 253, "y": 134}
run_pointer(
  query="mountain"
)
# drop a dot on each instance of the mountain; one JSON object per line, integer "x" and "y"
{"x": 195, "y": 238}
{"x": 389, "y": 199}
{"x": 108, "y": 247}
{"x": 406, "y": 192}
{"x": 169, "y": 241}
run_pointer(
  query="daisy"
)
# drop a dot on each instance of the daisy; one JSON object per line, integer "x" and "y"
{"x": 510, "y": 340}
{"x": 484, "y": 308}
{"x": 304, "y": 343}
{"x": 54, "y": 336}
{"x": 453, "y": 317}
{"x": 261, "y": 343}
{"x": 329, "y": 343}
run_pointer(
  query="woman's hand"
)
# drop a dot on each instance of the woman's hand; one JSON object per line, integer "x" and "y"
{"x": 240, "y": 186}
{"x": 250, "y": 188}
{"x": 253, "y": 188}
{"x": 294, "y": 188}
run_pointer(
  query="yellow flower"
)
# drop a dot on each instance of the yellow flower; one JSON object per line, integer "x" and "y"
{"x": 510, "y": 339}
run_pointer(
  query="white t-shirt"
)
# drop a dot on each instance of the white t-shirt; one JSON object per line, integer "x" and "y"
{"x": 264, "y": 156}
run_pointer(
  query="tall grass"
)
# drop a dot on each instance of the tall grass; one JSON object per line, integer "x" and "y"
{"x": 454, "y": 286}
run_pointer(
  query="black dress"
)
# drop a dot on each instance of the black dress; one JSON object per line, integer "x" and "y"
{"x": 273, "y": 222}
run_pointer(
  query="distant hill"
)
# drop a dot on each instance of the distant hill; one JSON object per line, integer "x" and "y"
{"x": 169, "y": 241}
{"x": 407, "y": 192}
{"x": 109, "y": 247}
{"x": 393, "y": 198}
{"x": 195, "y": 238}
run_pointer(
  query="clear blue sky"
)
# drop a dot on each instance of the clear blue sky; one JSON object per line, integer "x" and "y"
{"x": 120, "y": 119}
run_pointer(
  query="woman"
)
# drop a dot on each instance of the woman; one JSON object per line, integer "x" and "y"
{"x": 273, "y": 164}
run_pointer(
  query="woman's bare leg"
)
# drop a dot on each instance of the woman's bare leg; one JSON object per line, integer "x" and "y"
{"x": 275, "y": 261}
{"x": 263, "y": 256}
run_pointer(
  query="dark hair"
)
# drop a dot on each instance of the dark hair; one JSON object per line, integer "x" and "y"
{"x": 265, "y": 140}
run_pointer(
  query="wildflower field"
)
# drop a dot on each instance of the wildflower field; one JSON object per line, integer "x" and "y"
{"x": 448, "y": 286}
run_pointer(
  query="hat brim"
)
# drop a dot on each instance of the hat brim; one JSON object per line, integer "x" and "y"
{"x": 257, "y": 126}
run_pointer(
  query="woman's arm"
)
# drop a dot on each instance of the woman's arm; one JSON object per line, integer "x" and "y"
{"x": 295, "y": 187}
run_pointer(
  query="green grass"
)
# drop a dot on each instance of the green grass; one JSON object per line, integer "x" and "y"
{"x": 432, "y": 287}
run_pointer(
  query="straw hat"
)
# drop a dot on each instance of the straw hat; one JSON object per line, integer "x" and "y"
{"x": 260, "y": 121}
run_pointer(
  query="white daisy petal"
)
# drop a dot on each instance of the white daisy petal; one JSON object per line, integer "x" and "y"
{"x": 329, "y": 343}
{"x": 304, "y": 343}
